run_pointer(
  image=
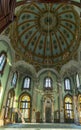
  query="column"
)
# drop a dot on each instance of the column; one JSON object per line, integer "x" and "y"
{"x": 43, "y": 103}
{"x": 61, "y": 102}
{"x": 34, "y": 103}
{"x": 75, "y": 109}
{"x": 34, "y": 107}
{"x": 1, "y": 117}
{"x": 52, "y": 114}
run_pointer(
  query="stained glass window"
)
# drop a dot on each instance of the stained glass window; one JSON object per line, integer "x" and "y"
{"x": 68, "y": 108}
{"x": 25, "y": 107}
{"x": 9, "y": 104}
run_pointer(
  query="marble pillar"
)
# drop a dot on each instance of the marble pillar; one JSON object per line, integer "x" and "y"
{"x": 76, "y": 119}
{"x": 34, "y": 107}
{"x": 61, "y": 102}
{"x": 52, "y": 114}
{"x": 43, "y": 103}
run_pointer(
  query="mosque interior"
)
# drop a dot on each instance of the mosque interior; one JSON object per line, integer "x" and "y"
{"x": 40, "y": 62}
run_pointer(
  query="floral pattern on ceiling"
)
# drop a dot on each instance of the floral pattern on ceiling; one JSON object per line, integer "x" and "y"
{"x": 46, "y": 33}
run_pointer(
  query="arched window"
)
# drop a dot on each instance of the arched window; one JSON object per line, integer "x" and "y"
{"x": 77, "y": 81}
{"x": 14, "y": 79}
{"x": 47, "y": 83}
{"x": 67, "y": 84}
{"x": 3, "y": 60}
{"x": 9, "y": 105}
{"x": 68, "y": 108}
{"x": 24, "y": 105}
{"x": 27, "y": 81}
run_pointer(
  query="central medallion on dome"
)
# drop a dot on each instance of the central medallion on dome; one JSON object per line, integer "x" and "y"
{"x": 45, "y": 33}
{"x": 47, "y": 22}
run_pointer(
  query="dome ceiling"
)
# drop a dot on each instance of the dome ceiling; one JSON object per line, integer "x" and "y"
{"x": 46, "y": 34}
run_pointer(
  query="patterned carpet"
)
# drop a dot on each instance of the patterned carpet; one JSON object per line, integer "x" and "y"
{"x": 41, "y": 126}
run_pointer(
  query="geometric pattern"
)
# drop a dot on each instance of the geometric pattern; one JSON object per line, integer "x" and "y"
{"x": 47, "y": 33}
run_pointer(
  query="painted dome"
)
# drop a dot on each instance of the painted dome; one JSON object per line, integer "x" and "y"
{"x": 46, "y": 34}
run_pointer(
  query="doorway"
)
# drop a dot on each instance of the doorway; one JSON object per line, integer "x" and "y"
{"x": 48, "y": 109}
{"x": 48, "y": 114}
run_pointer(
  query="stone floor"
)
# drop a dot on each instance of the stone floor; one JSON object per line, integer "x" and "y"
{"x": 41, "y": 126}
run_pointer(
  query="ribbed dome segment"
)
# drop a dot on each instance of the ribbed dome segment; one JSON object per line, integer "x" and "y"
{"x": 46, "y": 33}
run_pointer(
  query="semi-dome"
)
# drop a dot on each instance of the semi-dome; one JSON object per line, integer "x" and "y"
{"x": 46, "y": 33}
